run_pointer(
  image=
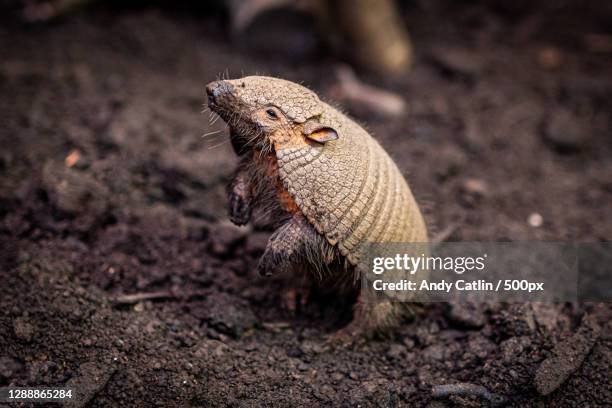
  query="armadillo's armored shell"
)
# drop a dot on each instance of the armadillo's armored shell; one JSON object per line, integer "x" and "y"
{"x": 297, "y": 102}
{"x": 351, "y": 190}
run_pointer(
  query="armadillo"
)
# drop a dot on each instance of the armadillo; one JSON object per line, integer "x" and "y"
{"x": 331, "y": 187}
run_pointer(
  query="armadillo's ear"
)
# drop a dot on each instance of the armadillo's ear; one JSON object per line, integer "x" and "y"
{"x": 319, "y": 132}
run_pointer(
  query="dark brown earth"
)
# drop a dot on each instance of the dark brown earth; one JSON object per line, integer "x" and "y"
{"x": 108, "y": 189}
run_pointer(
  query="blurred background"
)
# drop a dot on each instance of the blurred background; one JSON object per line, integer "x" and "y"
{"x": 508, "y": 100}
{"x": 121, "y": 271}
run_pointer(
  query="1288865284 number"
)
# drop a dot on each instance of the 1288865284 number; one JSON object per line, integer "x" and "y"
{"x": 21, "y": 394}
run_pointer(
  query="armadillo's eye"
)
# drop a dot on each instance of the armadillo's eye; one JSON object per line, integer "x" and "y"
{"x": 271, "y": 113}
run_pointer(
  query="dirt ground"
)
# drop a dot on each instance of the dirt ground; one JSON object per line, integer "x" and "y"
{"x": 108, "y": 189}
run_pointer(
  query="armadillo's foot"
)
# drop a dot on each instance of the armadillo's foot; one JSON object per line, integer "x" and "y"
{"x": 239, "y": 199}
{"x": 294, "y": 299}
{"x": 357, "y": 330}
{"x": 347, "y": 336}
{"x": 376, "y": 318}
{"x": 239, "y": 208}
{"x": 379, "y": 318}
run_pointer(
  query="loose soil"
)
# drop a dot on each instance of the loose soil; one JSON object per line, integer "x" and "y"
{"x": 108, "y": 189}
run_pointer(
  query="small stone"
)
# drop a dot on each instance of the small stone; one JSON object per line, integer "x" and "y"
{"x": 312, "y": 347}
{"x": 226, "y": 313}
{"x": 374, "y": 392}
{"x": 408, "y": 342}
{"x": 396, "y": 351}
{"x": 481, "y": 347}
{"x": 535, "y": 220}
{"x": 427, "y": 335}
{"x": 514, "y": 347}
{"x": 337, "y": 376}
{"x": 517, "y": 319}
{"x": 433, "y": 353}
{"x": 370, "y": 386}
{"x": 75, "y": 159}
{"x": 253, "y": 346}
{"x": 75, "y": 192}
{"x": 549, "y": 316}
{"x": 550, "y": 58}
{"x": 327, "y": 390}
{"x": 8, "y": 368}
{"x": 475, "y": 186}
{"x": 472, "y": 191}
{"x": 564, "y": 131}
{"x": 466, "y": 315}
{"x": 23, "y": 329}
{"x": 90, "y": 379}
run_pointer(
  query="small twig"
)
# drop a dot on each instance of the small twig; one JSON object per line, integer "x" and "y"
{"x": 275, "y": 326}
{"x": 139, "y": 297}
{"x": 377, "y": 100}
{"x": 468, "y": 389}
{"x": 162, "y": 294}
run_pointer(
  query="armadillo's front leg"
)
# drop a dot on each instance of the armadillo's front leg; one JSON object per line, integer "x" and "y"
{"x": 287, "y": 245}
{"x": 240, "y": 197}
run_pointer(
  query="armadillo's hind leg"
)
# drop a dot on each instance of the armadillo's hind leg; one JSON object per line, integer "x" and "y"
{"x": 373, "y": 318}
{"x": 380, "y": 317}
{"x": 289, "y": 245}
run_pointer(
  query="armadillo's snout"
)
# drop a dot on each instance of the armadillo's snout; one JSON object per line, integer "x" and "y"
{"x": 217, "y": 92}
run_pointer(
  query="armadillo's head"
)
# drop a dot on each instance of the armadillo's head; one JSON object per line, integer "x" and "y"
{"x": 265, "y": 112}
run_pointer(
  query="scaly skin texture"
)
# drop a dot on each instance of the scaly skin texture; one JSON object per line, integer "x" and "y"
{"x": 350, "y": 190}
{"x": 334, "y": 186}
